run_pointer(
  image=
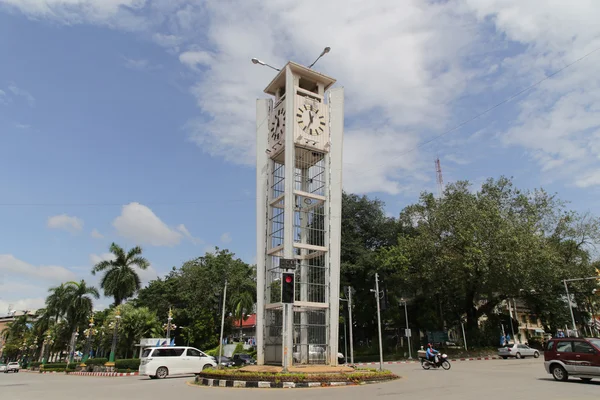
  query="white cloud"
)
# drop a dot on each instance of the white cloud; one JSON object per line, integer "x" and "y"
{"x": 403, "y": 67}
{"x": 559, "y": 121}
{"x": 96, "y": 235}
{"x": 140, "y": 64}
{"x": 168, "y": 41}
{"x": 17, "y": 91}
{"x": 29, "y": 304}
{"x": 181, "y": 228}
{"x": 194, "y": 58}
{"x": 226, "y": 237}
{"x": 139, "y": 223}
{"x": 4, "y": 97}
{"x": 9, "y": 264}
{"x": 65, "y": 222}
{"x": 114, "y": 13}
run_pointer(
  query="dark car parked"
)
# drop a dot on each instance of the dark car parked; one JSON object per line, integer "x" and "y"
{"x": 243, "y": 359}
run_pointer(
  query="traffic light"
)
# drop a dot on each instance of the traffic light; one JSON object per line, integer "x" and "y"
{"x": 287, "y": 287}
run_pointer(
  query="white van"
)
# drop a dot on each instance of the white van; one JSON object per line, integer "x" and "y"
{"x": 159, "y": 362}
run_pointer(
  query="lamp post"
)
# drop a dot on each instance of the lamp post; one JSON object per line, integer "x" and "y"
{"x": 73, "y": 344}
{"x": 376, "y": 291}
{"x": 569, "y": 299}
{"x": 48, "y": 341}
{"x": 23, "y": 349}
{"x": 408, "y": 331}
{"x": 349, "y": 301}
{"x": 113, "y": 348}
{"x": 169, "y": 325}
{"x": 89, "y": 333}
{"x": 33, "y": 346}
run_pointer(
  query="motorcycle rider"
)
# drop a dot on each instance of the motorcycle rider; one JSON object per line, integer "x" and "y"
{"x": 432, "y": 353}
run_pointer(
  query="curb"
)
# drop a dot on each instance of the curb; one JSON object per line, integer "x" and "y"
{"x": 105, "y": 374}
{"x": 417, "y": 362}
{"x": 278, "y": 385}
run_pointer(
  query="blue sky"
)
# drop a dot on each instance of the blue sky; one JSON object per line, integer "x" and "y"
{"x": 133, "y": 120}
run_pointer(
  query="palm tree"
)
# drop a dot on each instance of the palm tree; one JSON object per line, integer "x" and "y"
{"x": 120, "y": 280}
{"x": 244, "y": 303}
{"x": 57, "y": 302}
{"x": 79, "y": 297}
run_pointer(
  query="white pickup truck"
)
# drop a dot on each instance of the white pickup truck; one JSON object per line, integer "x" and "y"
{"x": 316, "y": 354}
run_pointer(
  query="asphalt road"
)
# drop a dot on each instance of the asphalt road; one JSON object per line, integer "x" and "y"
{"x": 489, "y": 380}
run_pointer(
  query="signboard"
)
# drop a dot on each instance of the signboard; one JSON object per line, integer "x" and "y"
{"x": 437, "y": 336}
{"x": 153, "y": 342}
{"x": 287, "y": 263}
{"x": 407, "y": 333}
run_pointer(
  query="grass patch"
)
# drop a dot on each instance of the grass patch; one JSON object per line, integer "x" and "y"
{"x": 357, "y": 376}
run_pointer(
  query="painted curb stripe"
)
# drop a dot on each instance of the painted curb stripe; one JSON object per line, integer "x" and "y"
{"x": 104, "y": 374}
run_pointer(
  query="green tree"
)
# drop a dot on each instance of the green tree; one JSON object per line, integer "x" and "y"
{"x": 79, "y": 297}
{"x": 135, "y": 323}
{"x": 365, "y": 230}
{"x": 464, "y": 254}
{"x": 57, "y": 301}
{"x": 120, "y": 279}
{"x": 195, "y": 292}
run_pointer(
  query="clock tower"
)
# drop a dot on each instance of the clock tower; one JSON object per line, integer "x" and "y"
{"x": 299, "y": 194}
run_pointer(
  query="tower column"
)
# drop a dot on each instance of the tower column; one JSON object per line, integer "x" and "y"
{"x": 263, "y": 107}
{"x": 336, "y": 128}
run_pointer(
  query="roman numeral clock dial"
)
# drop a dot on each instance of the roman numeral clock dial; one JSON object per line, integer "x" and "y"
{"x": 277, "y": 130}
{"x": 310, "y": 121}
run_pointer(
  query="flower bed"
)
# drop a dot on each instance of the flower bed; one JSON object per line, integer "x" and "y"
{"x": 358, "y": 376}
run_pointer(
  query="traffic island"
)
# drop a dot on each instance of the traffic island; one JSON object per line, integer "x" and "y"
{"x": 296, "y": 377}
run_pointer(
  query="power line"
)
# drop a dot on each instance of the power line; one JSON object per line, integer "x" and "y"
{"x": 151, "y": 203}
{"x": 497, "y": 105}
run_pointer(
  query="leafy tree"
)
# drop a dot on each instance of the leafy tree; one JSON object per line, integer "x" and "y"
{"x": 135, "y": 323}
{"x": 195, "y": 292}
{"x": 464, "y": 254}
{"x": 120, "y": 279}
{"x": 365, "y": 230}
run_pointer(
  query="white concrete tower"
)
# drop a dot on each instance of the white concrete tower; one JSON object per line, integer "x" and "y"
{"x": 299, "y": 199}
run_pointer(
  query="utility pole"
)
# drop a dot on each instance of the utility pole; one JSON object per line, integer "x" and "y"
{"x": 378, "y": 320}
{"x": 462, "y": 325}
{"x": 517, "y": 319}
{"x": 350, "y": 315}
{"x": 570, "y": 308}
{"x": 408, "y": 331}
{"x": 222, "y": 324}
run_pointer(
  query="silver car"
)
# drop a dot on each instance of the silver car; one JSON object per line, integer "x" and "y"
{"x": 517, "y": 351}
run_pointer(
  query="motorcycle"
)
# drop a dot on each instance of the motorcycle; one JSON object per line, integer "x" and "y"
{"x": 442, "y": 361}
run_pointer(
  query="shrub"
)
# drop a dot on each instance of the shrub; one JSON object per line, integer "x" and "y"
{"x": 35, "y": 364}
{"x": 213, "y": 352}
{"x": 96, "y": 361}
{"x": 132, "y": 364}
{"x": 239, "y": 348}
{"x": 356, "y": 376}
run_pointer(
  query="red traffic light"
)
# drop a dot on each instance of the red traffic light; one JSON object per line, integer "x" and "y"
{"x": 288, "y": 279}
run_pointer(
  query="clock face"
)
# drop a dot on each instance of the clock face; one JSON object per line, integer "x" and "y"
{"x": 309, "y": 120}
{"x": 278, "y": 124}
